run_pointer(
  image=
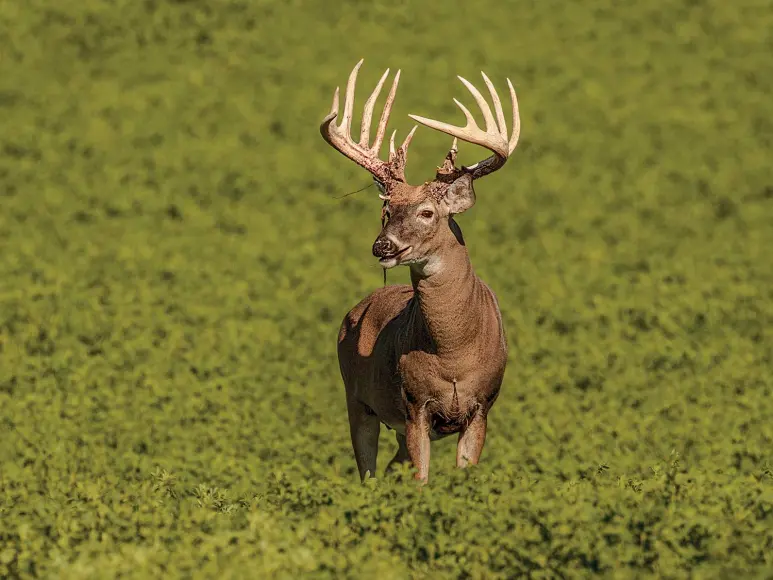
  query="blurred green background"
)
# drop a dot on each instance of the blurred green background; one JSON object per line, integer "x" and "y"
{"x": 175, "y": 258}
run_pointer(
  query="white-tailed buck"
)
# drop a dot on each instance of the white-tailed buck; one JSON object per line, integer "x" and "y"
{"x": 425, "y": 359}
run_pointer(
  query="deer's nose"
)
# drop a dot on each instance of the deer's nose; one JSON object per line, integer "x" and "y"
{"x": 383, "y": 247}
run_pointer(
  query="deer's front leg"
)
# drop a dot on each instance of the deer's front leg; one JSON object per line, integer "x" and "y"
{"x": 417, "y": 440}
{"x": 471, "y": 440}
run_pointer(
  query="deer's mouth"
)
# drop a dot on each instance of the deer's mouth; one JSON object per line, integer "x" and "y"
{"x": 392, "y": 259}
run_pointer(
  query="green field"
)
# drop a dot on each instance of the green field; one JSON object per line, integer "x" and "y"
{"x": 176, "y": 258}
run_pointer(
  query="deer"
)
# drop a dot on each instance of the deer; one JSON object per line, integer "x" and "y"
{"x": 425, "y": 359}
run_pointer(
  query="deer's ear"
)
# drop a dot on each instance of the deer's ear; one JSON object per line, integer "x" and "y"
{"x": 460, "y": 195}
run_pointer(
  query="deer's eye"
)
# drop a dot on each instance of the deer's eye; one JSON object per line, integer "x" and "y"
{"x": 426, "y": 214}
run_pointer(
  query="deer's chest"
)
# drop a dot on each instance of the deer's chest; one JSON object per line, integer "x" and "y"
{"x": 451, "y": 386}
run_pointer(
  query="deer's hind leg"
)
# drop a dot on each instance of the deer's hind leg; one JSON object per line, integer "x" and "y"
{"x": 364, "y": 428}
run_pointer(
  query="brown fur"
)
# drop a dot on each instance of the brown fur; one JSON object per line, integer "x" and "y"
{"x": 427, "y": 359}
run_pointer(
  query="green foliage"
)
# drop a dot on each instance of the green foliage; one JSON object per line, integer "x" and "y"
{"x": 175, "y": 262}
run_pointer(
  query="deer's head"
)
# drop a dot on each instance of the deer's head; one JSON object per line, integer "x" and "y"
{"x": 418, "y": 219}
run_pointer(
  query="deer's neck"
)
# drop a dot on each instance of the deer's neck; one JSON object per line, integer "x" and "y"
{"x": 450, "y": 298}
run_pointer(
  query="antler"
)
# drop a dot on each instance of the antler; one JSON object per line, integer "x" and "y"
{"x": 494, "y": 138}
{"x": 367, "y": 156}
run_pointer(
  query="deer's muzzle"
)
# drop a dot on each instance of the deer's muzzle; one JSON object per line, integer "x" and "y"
{"x": 383, "y": 247}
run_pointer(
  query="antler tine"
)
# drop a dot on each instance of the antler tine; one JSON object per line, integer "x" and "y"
{"x": 403, "y": 147}
{"x": 516, "y": 119}
{"x": 382, "y": 123}
{"x": 494, "y": 138}
{"x": 339, "y": 136}
{"x": 497, "y": 104}
{"x": 483, "y": 105}
{"x": 334, "y": 108}
{"x": 346, "y": 121}
{"x": 408, "y": 139}
{"x": 367, "y": 113}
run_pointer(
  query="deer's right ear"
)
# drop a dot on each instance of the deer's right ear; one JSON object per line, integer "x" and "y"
{"x": 460, "y": 195}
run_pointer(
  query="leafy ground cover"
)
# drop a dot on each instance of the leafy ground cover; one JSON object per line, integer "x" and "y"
{"x": 176, "y": 256}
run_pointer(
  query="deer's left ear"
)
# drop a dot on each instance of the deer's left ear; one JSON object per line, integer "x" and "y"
{"x": 460, "y": 195}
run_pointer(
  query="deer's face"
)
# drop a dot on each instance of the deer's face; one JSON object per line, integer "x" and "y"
{"x": 409, "y": 234}
{"x": 416, "y": 233}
